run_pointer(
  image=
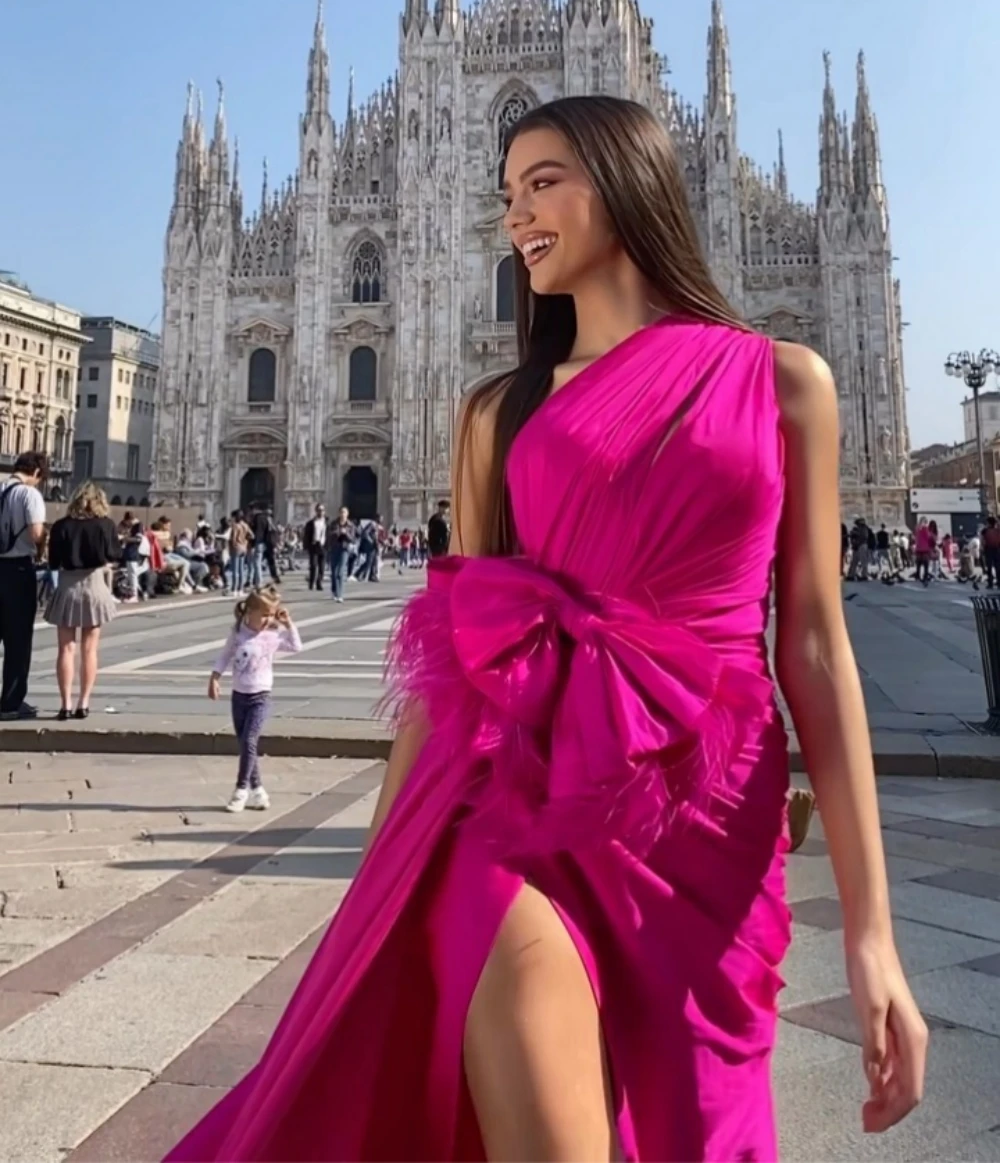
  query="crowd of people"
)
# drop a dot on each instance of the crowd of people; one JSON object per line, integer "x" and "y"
{"x": 81, "y": 567}
{"x": 867, "y": 554}
{"x": 355, "y": 550}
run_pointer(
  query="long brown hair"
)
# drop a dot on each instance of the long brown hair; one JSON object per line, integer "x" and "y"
{"x": 632, "y": 165}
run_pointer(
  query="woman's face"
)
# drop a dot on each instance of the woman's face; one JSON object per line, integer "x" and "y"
{"x": 554, "y": 215}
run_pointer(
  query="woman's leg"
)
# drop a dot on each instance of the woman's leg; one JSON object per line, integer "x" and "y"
{"x": 533, "y": 1049}
{"x": 65, "y": 664}
{"x": 90, "y": 637}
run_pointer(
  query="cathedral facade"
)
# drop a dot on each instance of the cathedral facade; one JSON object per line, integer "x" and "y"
{"x": 318, "y": 348}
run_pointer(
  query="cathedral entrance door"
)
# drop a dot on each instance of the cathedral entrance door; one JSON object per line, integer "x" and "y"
{"x": 257, "y": 489}
{"x": 360, "y": 493}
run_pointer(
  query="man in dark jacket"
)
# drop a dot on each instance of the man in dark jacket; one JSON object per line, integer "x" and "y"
{"x": 439, "y": 530}
{"x": 314, "y": 543}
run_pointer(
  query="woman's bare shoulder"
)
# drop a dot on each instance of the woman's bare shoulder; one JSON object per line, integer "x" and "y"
{"x": 804, "y": 385}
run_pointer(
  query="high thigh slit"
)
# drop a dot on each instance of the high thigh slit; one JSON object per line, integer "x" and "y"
{"x": 470, "y": 904}
{"x": 603, "y": 727}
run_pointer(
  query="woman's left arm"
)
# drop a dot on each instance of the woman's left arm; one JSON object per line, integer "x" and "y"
{"x": 112, "y": 544}
{"x": 815, "y": 666}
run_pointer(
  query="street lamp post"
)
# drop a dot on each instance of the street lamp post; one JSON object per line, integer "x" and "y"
{"x": 974, "y": 370}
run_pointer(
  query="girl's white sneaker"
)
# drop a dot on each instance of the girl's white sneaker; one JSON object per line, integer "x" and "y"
{"x": 238, "y": 800}
{"x": 259, "y": 800}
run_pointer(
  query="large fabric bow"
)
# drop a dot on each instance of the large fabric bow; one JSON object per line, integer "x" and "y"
{"x": 599, "y": 716}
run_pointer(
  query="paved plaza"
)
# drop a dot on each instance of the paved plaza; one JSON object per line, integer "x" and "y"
{"x": 917, "y": 649}
{"x": 149, "y": 940}
{"x": 156, "y": 657}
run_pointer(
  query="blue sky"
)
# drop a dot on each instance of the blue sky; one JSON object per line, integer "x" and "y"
{"x": 93, "y": 95}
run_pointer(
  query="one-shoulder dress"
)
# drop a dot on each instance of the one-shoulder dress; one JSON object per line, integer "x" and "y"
{"x": 603, "y": 726}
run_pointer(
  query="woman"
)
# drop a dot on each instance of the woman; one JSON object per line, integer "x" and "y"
{"x": 564, "y": 940}
{"x": 935, "y": 550}
{"x": 83, "y": 546}
{"x": 239, "y": 539}
{"x": 924, "y": 544}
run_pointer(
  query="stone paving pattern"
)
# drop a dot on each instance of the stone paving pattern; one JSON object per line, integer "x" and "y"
{"x": 917, "y": 651}
{"x": 149, "y": 941}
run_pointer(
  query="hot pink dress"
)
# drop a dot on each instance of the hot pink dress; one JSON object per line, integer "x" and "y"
{"x": 604, "y": 727}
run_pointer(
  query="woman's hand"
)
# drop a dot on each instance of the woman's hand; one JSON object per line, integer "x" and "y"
{"x": 894, "y": 1034}
{"x": 213, "y": 687}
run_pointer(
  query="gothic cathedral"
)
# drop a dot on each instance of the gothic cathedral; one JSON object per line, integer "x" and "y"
{"x": 318, "y": 348}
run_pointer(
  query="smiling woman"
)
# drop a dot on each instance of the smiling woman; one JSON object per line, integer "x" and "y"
{"x": 565, "y": 939}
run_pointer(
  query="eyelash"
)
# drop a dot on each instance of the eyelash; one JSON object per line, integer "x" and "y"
{"x": 535, "y": 185}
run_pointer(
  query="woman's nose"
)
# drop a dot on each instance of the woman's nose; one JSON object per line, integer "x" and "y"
{"x": 518, "y": 213}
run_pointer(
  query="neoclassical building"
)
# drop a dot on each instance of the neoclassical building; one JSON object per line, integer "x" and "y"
{"x": 40, "y": 344}
{"x": 317, "y": 347}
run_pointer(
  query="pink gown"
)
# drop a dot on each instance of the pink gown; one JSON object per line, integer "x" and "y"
{"x": 603, "y": 727}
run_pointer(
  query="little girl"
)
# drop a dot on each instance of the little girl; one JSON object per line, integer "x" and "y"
{"x": 263, "y": 627}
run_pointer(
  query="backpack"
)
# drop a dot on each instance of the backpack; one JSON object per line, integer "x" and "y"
{"x": 8, "y": 534}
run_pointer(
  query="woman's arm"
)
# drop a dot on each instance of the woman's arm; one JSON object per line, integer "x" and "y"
{"x": 470, "y": 481}
{"x": 55, "y": 546}
{"x": 112, "y": 545}
{"x": 819, "y": 677}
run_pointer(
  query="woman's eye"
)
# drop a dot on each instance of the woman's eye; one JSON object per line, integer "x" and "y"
{"x": 541, "y": 183}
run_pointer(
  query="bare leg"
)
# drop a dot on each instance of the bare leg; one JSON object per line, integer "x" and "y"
{"x": 534, "y": 1055}
{"x": 90, "y": 638}
{"x": 66, "y": 663}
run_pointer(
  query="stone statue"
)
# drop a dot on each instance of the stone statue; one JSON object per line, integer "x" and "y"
{"x": 309, "y": 241}
{"x": 445, "y": 131}
{"x": 846, "y": 444}
{"x": 304, "y": 386}
{"x": 312, "y": 166}
{"x": 302, "y": 446}
{"x": 477, "y": 308}
{"x": 883, "y": 379}
{"x": 885, "y": 439}
{"x": 441, "y": 446}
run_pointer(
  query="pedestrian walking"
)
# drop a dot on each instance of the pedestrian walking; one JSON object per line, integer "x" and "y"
{"x": 240, "y": 537}
{"x": 22, "y": 528}
{"x": 84, "y": 547}
{"x": 314, "y": 543}
{"x": 439, "y": 530}
{"x": 263, "y": 628}
{"x": 341, "y": 540}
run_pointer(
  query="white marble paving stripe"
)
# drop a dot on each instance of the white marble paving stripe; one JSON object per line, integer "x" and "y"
{"x": 149, "y": 660}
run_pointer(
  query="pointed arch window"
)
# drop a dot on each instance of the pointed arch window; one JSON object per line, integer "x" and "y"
{"x": 262, "y": 377}
{"x": 362, "y": 382}
{"x": 367, "y": 279}
{"x": 505, "y": 291}
{"x": 511, "y": 112}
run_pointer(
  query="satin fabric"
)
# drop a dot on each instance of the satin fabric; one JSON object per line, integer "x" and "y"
{"x": 604, "y": 728}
